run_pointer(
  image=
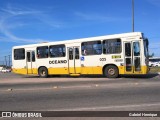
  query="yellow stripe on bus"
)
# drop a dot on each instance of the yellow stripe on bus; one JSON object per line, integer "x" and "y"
{"x": 79, "y": 70}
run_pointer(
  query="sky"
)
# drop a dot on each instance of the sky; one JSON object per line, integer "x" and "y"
{"x": 25, "y": 22}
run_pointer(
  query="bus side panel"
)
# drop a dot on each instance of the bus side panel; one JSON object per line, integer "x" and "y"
{"x": 114, "y": 59}
{"x": 20, "y": 66}
{"x": 91, "y": 64}
{"x": 58, "y": 65}
{"x": 42, "y": 62}
{"x": 144, "y": 70}
{"x": 54, "y": 65}
{"x": 56, "y": 71}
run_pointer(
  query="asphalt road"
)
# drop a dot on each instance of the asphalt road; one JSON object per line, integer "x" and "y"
{"x": 94, "y": 93}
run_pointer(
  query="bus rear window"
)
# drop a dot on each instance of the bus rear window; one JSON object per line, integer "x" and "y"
{"x": 19, "y": 54}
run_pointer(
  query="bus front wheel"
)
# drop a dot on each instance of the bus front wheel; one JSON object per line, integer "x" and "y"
{"x": 111, "y": 71}
{"x": 43, "y": 72}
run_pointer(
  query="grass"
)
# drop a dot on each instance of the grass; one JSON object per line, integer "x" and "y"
{"x": 154, "y": 69}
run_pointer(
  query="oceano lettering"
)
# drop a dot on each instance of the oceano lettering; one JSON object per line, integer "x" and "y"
{"x": 57, "y": 61}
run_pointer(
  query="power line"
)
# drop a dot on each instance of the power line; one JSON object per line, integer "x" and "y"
{"x": 6, "y": 61}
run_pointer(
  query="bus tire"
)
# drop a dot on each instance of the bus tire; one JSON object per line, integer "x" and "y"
{"x": 43, "y": 72}
{"x": 111, "y": 71}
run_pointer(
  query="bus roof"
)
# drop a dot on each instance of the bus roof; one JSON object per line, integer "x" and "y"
{"x": 132, "y": 34}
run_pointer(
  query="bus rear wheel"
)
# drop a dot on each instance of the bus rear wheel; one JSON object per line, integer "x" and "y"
{"x": 111, "y": 71}
{"x": 43, "y": 72}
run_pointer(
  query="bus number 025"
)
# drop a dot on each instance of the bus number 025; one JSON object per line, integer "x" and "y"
{"x": 102, "y": 59}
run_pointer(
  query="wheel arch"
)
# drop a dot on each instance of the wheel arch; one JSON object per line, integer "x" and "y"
{"x": 41, "y": 67}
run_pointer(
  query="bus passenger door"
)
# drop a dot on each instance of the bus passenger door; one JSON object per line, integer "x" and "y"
{"x": 132, "y": 57}
{"x": 137, "y": 57}
{"x": 74, "y": 60}
{"x": 30, "y": 62}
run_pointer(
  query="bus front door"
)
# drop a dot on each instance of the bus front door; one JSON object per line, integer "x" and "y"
{"x": 74, "y": 60}
{"x": 132, "y": 57}
{"x": 30, "y": 62}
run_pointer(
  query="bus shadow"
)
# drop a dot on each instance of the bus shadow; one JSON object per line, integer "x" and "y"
{"x": 65, "y": 76}
{"x": 147, "y": 76}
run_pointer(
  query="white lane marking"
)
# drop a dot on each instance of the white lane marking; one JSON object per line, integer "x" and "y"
{"x": 87, "y": 86}
{"x": 82, "y": 86}
{"x": 109, "y": 107}
{"x": 47, "y": 88}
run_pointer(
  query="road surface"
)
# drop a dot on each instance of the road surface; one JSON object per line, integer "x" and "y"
{"x": 94, "y": 93}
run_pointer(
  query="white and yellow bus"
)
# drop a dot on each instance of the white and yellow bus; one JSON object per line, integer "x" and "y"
{"x": 109, "y": 55}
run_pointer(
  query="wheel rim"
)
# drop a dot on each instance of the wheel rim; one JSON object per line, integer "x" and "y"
{"x": 43, "y": 73}
{"x": 111, "y": 71}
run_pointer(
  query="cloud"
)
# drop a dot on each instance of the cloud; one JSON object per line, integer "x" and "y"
{"x": 12, "y": 38}
{"x": 10, "y": 18}
{"x": 97, "y": 17}
{"x": 49, "y": 21}
{"x": 154, "y": 2}
{"x": 16, "y": 12}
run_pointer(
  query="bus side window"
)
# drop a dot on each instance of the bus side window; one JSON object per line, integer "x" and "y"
{"x": 91, "y": 48}
{"x": 76, "y": 53}
{"x": 57, "y": 50}
{"x": 112, "y": 46}
{"x": 42, "y": 52}
{"x": 28, "y": 57}
{"x": 19, "y": 54}
{"x": 70, "y": 54}
{"x": 128, "y": 49}
{"x": 33, "y": 56}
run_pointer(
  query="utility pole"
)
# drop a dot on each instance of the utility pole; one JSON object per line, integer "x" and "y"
{"x": 5, "y": 60}
{"x": 132, "y": 15}
{"x": 9, "y": 60}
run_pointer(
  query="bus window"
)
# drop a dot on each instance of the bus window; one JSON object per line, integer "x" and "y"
{"x": 19, "y": 54}
{"x": 42, "y": 52}
{"x": 128, "y": 64}
{"x": 91, "y": 48}
{"x": 28, "y": 57}
{"x": 136, "y": 48}
{"x": 127, "y": 49}
{"x": 137, "y": 64}
{"x": 33, "y": 56}
{"x": 70, "y": 54}
{"x": 112, "y": 46}
{"x": 76, "y": 53}
{"x": 57, "y": 51}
